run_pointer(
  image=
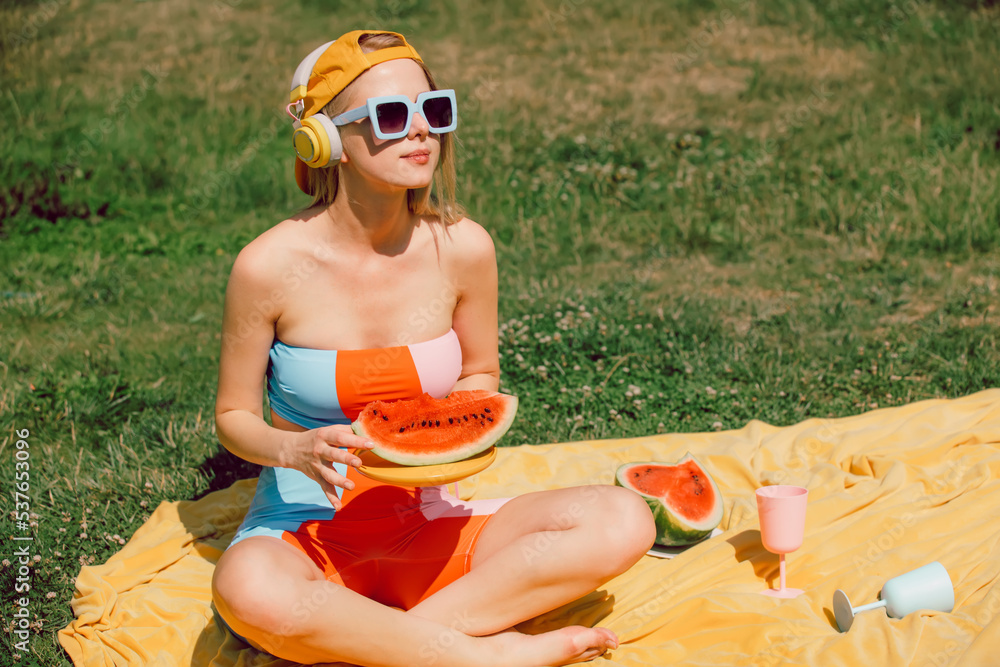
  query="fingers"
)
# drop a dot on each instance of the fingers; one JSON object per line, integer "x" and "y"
{"x": 333, "y": 445}
{"x": 341, "y": 435}
{"x": 329, "y": 481}
{"x": 335, "y": 454}
{"x": 325, "y": 470}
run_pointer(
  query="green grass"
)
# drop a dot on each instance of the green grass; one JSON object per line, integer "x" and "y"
{"x": 705, "y": 213}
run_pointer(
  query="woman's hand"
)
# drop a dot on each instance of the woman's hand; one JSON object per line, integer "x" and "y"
{"x": 314, "y": 453}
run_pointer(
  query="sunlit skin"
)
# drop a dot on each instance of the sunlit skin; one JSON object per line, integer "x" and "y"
{"x": 322, "y": 274}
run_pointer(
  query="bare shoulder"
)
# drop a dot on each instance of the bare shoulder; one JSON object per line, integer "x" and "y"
{"x": 469, "y": 244}
{"x": 262, "y": 262}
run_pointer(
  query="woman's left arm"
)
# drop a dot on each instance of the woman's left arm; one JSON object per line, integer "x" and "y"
{"x": 475, "y": 316}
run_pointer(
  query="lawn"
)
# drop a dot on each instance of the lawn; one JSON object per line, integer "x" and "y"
{"x": 704, "y": 213}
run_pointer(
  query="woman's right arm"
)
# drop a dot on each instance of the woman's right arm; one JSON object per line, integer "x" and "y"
{"x": 251, "y": 310}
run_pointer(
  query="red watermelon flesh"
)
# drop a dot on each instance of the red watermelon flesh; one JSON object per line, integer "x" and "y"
{"x": 427, "y": 430}
{"x": 685, "y": 501}
{"x": 682, "y": 486}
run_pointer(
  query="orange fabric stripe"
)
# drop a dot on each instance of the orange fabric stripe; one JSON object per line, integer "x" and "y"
{"x": 364, "y": 376}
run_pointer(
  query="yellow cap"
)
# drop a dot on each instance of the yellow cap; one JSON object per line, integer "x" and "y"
{"x": 342, "y": 63}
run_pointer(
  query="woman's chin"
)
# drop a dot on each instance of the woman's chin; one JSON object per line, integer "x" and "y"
{"x": 416, "y": 183}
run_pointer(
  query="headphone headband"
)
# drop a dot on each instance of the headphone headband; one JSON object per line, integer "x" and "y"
{"x": 300, "y": 80}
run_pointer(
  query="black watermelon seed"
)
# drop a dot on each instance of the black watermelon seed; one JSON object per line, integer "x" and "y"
{"x": 482, "y": 416}
{"x": 482, "y": 423}
{"x": 466, "y": 417}
{"x": 489, "y": 419}
{"x": 451, "y": 420}
{"x": 437, "y": 422}
{"x": 401, "y": 429}
{"x": 385, "y": 417}
{"x": 486, "y": 409}
{"x": 423, "y": 423}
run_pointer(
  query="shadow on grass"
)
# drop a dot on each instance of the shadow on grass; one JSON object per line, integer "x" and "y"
{"x": 223, "y": 469}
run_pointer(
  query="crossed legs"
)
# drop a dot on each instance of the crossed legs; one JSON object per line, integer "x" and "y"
{"x": 538, "y": 552}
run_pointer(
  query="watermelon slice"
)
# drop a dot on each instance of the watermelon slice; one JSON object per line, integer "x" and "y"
{"x": 685, "y": 501}
{"x": 427, "y": 430}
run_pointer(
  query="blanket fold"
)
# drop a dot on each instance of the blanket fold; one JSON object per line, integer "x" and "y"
{"x": 889, "y": 491}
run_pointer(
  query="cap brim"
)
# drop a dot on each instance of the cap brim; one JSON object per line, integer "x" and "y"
{"x": 302, "y": 176}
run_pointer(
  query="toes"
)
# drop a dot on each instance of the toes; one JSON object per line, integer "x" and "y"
{"x": 590, "y": 643}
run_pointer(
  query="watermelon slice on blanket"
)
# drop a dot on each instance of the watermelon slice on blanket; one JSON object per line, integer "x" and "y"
{"x": 427, "y": 430}
{"x": 685, "y": 500}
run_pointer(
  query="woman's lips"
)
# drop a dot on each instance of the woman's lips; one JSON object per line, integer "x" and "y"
{"x": 419, "y": 157}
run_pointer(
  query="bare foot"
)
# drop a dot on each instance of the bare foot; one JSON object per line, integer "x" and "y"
{"x": 558, "y": 647}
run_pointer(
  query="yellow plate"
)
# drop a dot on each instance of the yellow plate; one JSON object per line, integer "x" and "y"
{"x": 440, "y": 473}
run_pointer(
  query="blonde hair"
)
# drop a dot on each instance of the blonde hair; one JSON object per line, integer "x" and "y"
{"x": 438, "y": 201}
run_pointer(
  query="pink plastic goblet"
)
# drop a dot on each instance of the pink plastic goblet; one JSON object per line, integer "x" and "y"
{"x": 782, "y": 513}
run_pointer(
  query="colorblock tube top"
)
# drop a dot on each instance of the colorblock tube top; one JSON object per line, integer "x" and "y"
{"x": 315, "y": 388}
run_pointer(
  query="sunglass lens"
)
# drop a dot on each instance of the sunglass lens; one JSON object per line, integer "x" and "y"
{"x": 438, "y": 112}
{"x": 391, "y": 117}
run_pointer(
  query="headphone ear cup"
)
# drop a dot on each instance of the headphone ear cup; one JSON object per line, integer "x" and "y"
{"x": 332, "y": 135}
{"x": 317, "y": 141}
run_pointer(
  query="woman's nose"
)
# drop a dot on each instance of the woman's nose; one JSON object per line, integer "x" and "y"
{"x": 419, "y": 126}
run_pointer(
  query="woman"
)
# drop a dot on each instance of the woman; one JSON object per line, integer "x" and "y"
{"x": 331, "y": 566}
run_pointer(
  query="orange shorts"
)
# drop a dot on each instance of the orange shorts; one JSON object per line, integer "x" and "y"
{"x": 395, "y": 545}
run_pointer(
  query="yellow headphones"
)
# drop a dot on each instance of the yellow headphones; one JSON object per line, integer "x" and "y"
{"x": 315, "y": 139}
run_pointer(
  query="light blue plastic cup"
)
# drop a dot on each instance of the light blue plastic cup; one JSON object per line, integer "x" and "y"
{"x": 927, "y": 587}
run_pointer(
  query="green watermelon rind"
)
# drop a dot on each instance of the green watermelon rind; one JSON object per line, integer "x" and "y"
{"x": 473, "y": 447}
{"x": 673, "y": 530}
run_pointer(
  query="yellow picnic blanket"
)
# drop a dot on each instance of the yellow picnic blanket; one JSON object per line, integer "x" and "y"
{"x": 889, "y": 491}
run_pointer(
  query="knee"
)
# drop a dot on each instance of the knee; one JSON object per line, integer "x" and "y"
{"x": 242, "y": 598}
{"x": 626, "y": 526}
{"x": 255, "y": 605}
